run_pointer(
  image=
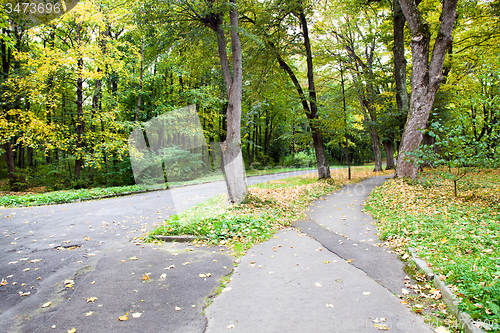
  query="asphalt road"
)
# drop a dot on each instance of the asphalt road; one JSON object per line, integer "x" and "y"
{"x": 83, "y": 259}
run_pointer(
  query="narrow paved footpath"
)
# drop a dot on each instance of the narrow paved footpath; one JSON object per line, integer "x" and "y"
{"x": 82, "y": 258}
{"x": 326, "y": 275}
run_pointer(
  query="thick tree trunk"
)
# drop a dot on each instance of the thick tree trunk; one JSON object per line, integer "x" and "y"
{"x": 426, "y": 76}
{"x": 234, "y": 168}
{"x": 389, "y": 151}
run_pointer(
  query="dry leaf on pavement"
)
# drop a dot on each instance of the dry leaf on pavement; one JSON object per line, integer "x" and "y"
{"x": 123, "y": 318}
{"x": 46, "y": 305}
{"x": 136, "y": 314}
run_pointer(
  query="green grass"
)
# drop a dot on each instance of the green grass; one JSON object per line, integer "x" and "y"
{"x": 66, "y": 196}
{"x": 459, "y": 237}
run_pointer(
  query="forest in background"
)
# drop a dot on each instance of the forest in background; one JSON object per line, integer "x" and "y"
{"x": 73, "y": 89}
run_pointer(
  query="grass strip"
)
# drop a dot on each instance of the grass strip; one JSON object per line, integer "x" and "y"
{"x": 458, "y": 236}
{"x": 66, "y": 196}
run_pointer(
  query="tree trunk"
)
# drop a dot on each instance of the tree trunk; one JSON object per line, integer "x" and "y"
{"x": 398, "y": 51}
{"x": 389, "y": 151}
{"x": 30, "y": 157}
{"x": 11, "y": 168}
{"x": 377, "y": 152}
{"x": 140, "y": 83}
{"x": 20, "y": 156}
{"x": 312, "y": 115}
{"x": 79, "y": 111}
{"x": 426, "y": 76}
{"x": 234, "y": 168}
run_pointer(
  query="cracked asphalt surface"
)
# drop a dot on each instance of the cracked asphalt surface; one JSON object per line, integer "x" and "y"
{"x": 70, "y": 254}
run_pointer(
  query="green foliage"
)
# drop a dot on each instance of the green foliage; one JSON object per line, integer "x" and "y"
{"x": 455, "y": 153}
{"x": 220, "y": 229}
{"x": 301, "y": 159}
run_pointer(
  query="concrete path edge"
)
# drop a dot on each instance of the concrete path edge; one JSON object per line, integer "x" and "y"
{"x": 448, "y": 297}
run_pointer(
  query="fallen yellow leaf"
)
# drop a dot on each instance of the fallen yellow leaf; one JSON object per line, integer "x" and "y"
{"x": 46, "y": 305}
{"x": 91, "y": 299}
{"x": 123, "y": 318}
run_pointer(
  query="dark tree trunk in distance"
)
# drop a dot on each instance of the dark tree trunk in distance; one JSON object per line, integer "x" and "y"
{"x": 79, "y": 109}
{"x": 389, "y": 151}
{"x": 9, "y": 159}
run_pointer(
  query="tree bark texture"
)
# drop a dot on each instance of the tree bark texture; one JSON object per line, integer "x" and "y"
{"x": 398, "y": 50}
{"x": 426, "y": 76}
{"x": 234, "y": 168}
